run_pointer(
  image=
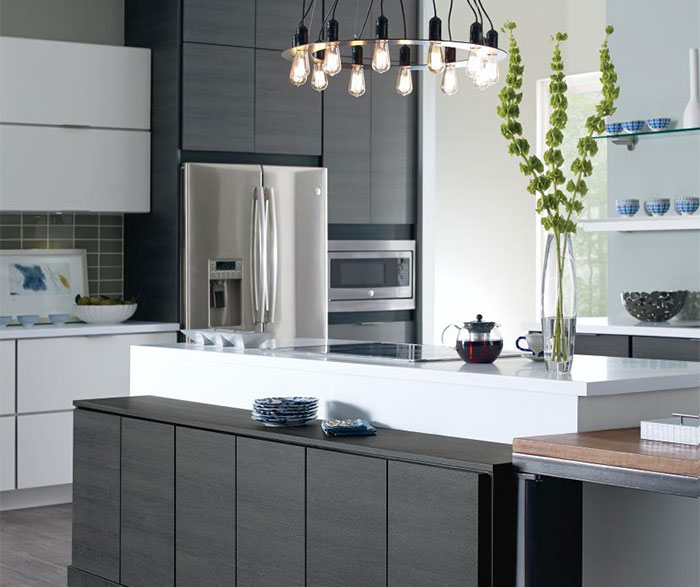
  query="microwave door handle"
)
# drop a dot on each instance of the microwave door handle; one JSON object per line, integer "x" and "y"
{"x": 272, "y": 255}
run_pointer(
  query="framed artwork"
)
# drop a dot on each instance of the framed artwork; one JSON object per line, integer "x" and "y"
{"x": 42, "y": 282}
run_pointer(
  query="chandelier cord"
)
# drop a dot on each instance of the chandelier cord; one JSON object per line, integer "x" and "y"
{"x": 476, "y": 16}
{"x": 403, "y": 16}
{"x": 481, "y": 17}
{"x": 434, "y": 9}
{"x": 321, "y": 33}
{"x": 305, "y": 11}
{"x": 449, "y": 19}
{"x": 381, "y": 7}
{"x": 364, "y": 24}
{"x": 486, "y": 13}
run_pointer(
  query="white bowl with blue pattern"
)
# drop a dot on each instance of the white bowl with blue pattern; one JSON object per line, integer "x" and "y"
{"x": 627, "y": 207}
{"x": 657, "y": 206}
{"x": 613, "y": 128}
{"x": 658, "y": 123}
{"x": 633, "y": 125}
{"x": 687, "y": 205}
{"x": 28, "y": 320}
{"x": 5, "y": 320}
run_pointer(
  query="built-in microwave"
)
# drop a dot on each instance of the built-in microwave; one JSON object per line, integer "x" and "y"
{"x": 367, "y": 276}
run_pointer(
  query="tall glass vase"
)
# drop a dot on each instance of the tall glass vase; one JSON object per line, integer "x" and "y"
{"x": 559, "y": 303}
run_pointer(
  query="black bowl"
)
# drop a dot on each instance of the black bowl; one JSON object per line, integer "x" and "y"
{"x": 655, "y": 306}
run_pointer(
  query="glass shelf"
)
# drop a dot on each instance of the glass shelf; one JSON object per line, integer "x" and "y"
{"x": 630, "y": 139}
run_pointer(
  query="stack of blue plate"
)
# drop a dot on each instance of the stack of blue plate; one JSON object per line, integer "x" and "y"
{"x": 285, "y": 411}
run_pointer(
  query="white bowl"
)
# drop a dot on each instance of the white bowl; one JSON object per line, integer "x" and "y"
{"x": 105, "y": 314}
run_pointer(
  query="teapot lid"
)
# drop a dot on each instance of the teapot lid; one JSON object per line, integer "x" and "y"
{"x": 478, "y": 326}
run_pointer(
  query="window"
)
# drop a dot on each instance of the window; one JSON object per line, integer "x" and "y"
{"x": 590, "y": 248}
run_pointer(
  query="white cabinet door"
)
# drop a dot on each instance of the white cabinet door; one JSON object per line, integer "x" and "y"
{"x": 7, "y": 453}
{"x": 57, "y": 83}
{"x": 57, "y": 169}
{"x": 44, "y": 450}
{"x": 7, "y": 377}
{"x": 52, "y": 372}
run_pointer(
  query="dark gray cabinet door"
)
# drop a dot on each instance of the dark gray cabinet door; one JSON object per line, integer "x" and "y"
{"x": 277, "y": 21}
{"x": 148, "y": 504}
{"x": 433, "y": 532}
{"x": 271, "y": 524}
{"x": 218, "y": 100}
{"x": 219, "y": 22}
{"x": 605, "y": 345}
{"x": 674, "y": 349}
{"x": 287, "y": 118}
{"x": 394, "y": 152}
{"x": 205, "y": 508}
{"x": 77, "y": 578}
{"x": 96, "y": 463}
{"x": 346, "y": 151}
{"x": 345, "y": 520}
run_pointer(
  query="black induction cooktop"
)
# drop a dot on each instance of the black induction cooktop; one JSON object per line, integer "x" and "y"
{"x": 413, "y": 353}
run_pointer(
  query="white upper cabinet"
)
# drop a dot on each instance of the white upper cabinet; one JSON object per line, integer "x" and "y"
{"x": 55, "y": 83}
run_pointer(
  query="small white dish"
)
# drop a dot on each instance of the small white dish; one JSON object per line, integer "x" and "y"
{"x": 5, "y": 320}
{"x": 28, "y": 320}
{"x": 59, "y": 319}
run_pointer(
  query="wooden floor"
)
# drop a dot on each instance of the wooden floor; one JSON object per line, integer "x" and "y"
{"x": 35, "y": 546}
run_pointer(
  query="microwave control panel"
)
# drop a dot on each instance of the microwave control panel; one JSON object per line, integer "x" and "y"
{"x": 404, "y": 272}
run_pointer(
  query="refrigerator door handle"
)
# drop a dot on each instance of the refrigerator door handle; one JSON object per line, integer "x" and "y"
{"x": 272, "y": 254}
{"x": 257, "y": 256}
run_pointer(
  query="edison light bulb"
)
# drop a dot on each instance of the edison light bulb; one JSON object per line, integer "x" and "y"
{"x": 319, "y": 79}
{"x": 357, "y": 81}
{"x": 474, "y": 64}
{"x": 436, "y": 58}
{"x": 449, "y": 84}
{"x": 299, "y": 71}
{"x": 381, "y": 60}
{"x": 331, "y": 60}
{"x": 404, "y": 82}
{"x": 490, "y": 70}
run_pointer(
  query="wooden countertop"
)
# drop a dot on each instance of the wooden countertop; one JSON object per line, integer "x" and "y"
{"x": 615, "y": 448}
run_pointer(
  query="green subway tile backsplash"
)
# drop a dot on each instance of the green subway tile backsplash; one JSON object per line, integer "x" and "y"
{"x": 101, "y": 235}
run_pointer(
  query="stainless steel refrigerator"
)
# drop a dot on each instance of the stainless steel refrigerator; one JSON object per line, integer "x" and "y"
{"x": 255, "y": 249}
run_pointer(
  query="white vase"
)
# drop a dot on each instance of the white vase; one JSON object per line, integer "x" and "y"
{"x": 691, "y": 116}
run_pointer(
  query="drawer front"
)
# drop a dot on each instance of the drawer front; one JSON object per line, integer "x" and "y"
{"x": 77, "y": 578}
{"x": 7, "y": 453}
{"x": 604, "y": 345}
{"x": 53, "y": 372}
{"x": 675, "y": 349}
{"x": 44, "y": 450}
{"x": 7, "y": 377}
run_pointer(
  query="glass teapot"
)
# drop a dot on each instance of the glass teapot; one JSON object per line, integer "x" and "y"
{"x": 477, "y": 341}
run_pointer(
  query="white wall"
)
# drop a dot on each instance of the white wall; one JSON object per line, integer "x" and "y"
{"x": 478, "y": 219}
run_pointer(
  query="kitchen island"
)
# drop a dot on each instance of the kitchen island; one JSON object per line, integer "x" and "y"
{"x": 514, "y": 397}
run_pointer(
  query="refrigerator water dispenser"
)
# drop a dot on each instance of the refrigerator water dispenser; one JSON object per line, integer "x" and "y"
{"x": 225, "y": 293}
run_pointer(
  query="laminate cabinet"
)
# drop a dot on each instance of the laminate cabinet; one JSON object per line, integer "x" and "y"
{"x": 205, "y": 508}
{"x": 96, "y": 493}
{"x": 675, "y": 349}
{"x": 605, "y": 345}
{"x": 346, "y": 151}
{"x": 147, "y": 504}
{"x": 287, "y": 118}
{"x": 7, "y": 380}
{"x": 219, "y": 22}
{"x": 77, "y": 578}
{"x": 7, "y": 453}
{"x": 276, "y": 22}
{"x": 218, "y": 99}
{"x": 271, "y": 503}
{"x": 345, "y": 520}
{"x": 433, "y": 526}
{"x": 44, "y": 449}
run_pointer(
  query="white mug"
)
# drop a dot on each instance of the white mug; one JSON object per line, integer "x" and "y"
{"x": 535, "y": 343}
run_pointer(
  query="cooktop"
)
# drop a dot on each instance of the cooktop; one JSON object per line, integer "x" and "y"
{"x": 413, "y": 353}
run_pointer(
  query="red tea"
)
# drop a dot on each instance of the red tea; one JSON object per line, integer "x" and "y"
{"x": 479, "y": 351}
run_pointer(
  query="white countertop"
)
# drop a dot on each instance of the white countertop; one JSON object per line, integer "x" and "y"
{"x": 591, "y": 375}
{"x": 672, "y": 329}
{"x": 82, "y": 329}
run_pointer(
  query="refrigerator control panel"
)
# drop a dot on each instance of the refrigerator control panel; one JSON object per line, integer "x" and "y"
{"x": 225, "y": 269}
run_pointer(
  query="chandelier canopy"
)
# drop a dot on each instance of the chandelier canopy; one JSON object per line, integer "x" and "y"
{"x": 321, "y": 60}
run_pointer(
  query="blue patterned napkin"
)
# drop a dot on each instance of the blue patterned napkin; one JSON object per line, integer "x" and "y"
{"x": 347, "y": 428}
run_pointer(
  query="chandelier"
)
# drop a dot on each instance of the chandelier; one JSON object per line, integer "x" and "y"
{"x": 322, "y": 59}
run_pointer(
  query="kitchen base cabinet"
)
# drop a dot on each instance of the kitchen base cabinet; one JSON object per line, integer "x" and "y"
{"x": 674, "y": 349}
{"x": 147, "y": 504}
{"x": 205, "y": 508}
{"x": 345, "y": 520}
{"x": 7, "y": 381}
{"x": 271, "y": 501}
{"x": 96, "y": 493}
{"x": 7, "y": 453}
{"x": 77, "y": 578}
{"x": 604, "y": 345}
{"x": 44, "y": 449}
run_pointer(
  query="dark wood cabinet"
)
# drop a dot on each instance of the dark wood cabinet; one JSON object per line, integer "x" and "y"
{"x": 345, "y": 520}
{"x": 604, "y": 345}
{"x": 346, "y": 151}
{"x": 96, "y": 493}
{"x": 434, "y": 526}
{"x": 287, "y": 118}
{"x": 394, "y": 150}
{"x": 220, "y": 22}
{"x": 675, "y": 349}
{"x": 218, "y": 98}
{"x": 77, "y": 578}
{"x": 276, "y": 22}
{"x": 205, "y": 508}
{"x": 271, "y": 526}
{"x": 147, "y": 504}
